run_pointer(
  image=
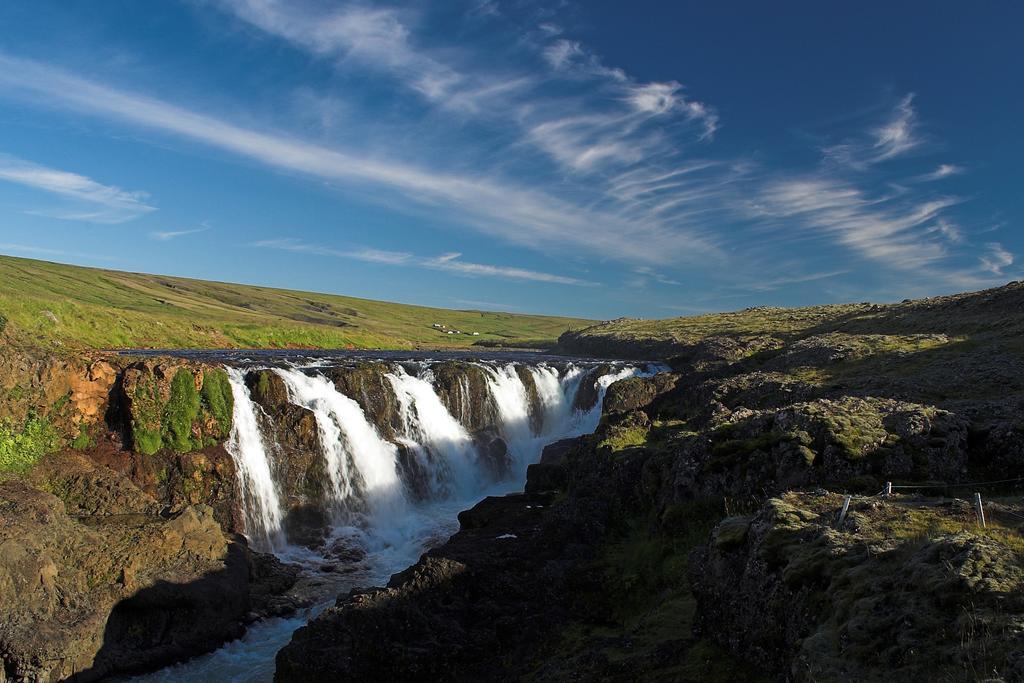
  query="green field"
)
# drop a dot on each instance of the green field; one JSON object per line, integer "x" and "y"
{"x": 73, "y": 307}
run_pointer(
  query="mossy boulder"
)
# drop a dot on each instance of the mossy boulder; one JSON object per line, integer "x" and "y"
{"x": 637, "y": 393}
{"x": 901, "y": 592}
{"x": 827, "y": 442}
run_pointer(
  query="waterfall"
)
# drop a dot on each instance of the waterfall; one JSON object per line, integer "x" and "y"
{"x": 557, "y": 392}
{"x": 362, "y": 466}
{"x": 513, "y": 404}
{"x": 373, "y": 481}
{"x": 445, "y": 448}
{"x": 260, "y": 500}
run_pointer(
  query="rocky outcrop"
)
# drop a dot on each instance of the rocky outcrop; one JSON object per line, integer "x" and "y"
{"x": 118, "y": 589}
{"x": 463, "y": 390}
{"x": 876, "y": 599}
{"x": 367, "y": 384}
{"x": 825, "y": 442}
{"x": 73, "y": 394}
{"x": 293, "y": 433}
{"x": 637, "y": 393}
{"x": 175, "y": 480}
{"x": 458, "y": 614}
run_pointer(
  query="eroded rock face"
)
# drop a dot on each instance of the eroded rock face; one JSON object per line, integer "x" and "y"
{"x": 463, "y": 390}
{"x": 873, "y": 600}
{"x": 88, "y": 596}
{"x": 174, "y": 480}
{"x": 293, "y": 433}
{"x": 72, "y": 394}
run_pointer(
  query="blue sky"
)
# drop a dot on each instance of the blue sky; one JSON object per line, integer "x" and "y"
{"x": 597, "y": 159}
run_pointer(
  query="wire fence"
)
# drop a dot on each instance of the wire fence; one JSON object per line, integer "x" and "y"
{"x": 979, "y": 505}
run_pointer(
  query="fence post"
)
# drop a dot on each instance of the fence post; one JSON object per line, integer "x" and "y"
{"x": 979, "y": 509}
{"x": 888, "y": 489}
{"x": 842, "y": 513}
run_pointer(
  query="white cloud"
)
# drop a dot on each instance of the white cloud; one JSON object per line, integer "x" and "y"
{"x": 897, "y": 136}
{"x": 877, "y": 228}
{"x": 943, "y": 171}
{"x": 369, "y": 35}
{"x": 167, "y": 235}
{"x": 516, "y": 214}
{"x": 996, "y": 259}
{"x": 450, "y": 262}
{"x": 795, "y": 280}
{"x": 571, "y": 58}
{"x": 112, "y": 204}
{"x": 663, "y": 98}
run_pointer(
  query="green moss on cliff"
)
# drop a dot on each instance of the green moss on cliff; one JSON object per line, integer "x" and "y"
{"x": 627, "y": 437}
{"x": 146, "y": 413}
{"x": 21, "y": 448}
{"x": 84, "y": 440}
{"x": 218, "y": 400}
{"x": 181, "y": 412}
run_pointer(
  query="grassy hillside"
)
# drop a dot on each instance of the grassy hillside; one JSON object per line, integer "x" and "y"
{"x": 51, "y": 303}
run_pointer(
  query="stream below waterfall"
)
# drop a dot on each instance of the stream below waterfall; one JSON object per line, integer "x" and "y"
{"x": 397, "y": 474}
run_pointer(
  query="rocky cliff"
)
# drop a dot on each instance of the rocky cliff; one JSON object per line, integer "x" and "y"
{"x": 118, "y": 513}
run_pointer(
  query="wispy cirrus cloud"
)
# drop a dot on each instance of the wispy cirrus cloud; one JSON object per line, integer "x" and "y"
{"x": 450, "y": 262}
{"x": 579, "y": 132}
{"x": 889, "y": 229}
{"x": 896, "y": 136}
{"x": 517, "y": 214}
{"x": 996, "y": 259}
{"x": 943, "y": 171}
{"x": 167, "y": 235}
{"x": 99, "y": 203}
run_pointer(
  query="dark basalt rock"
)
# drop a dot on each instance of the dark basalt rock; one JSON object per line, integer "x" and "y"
{"x": 637, "y": 393}
{"x": 367, "y": 384}
{"x": 588, "y": 393}
{"x": 463, "y": 390}
{"x": 460, "y": 613}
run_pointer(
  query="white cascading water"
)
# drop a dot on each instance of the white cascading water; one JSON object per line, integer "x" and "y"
{"x": 445, "y": 448}
{"x": 367, "y": 487}
{"x": 260, "y": 499}
{"x": 513, "y": 404}
{"x": 557, "y": 392}
{"x": 362, "y": 466}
